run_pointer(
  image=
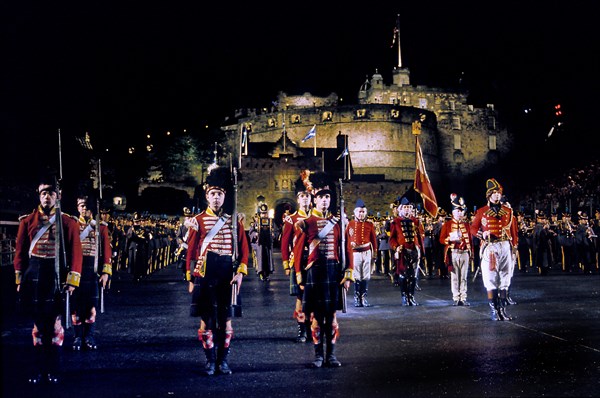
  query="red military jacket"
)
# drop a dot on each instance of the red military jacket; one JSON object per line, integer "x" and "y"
{"x": 289, "y": 236}
{"x": 222, "y": 242}
{"x": 361, "y": 236}
{"x": 406, "y": 232}
{"x": 87, "y": 235}
{"x": 44, "y": 246}
{"x": 326, "y": 248}
{"x": 501, "y": 224}
{"x": 465, "y": 241}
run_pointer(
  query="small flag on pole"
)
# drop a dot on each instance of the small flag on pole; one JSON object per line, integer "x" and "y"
{"x": 343, "y": 154}
{"x": 423, "y": 185}
{"x": 244, "y": 136}
{"x": 85, "y": 141}
{"x": 312, "y": 133}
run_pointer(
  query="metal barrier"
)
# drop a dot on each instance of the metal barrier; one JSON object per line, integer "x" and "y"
{"x": 7, "y": 252}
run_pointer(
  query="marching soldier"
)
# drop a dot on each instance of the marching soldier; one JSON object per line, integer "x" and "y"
{"x": 584, "y": 244}
{"x": 264, "y": 252}
{"x": 40, "y": 283}
{"x": 456, "y": 237}
{"x": 85, "y": 299}
{"x": 288, "y": 239}
{"x": 182, "y": 236}
{"x": 566, "y": 239}
{"x": 495, "y": 226}
{"x": 406, "y": 241}
{"x": 320, "y": 235}
{"x": 523, "y": 248}
{"x": 361, "y": 242}
{"x": 542, "y": 246}
{"x": 209, "y": 269}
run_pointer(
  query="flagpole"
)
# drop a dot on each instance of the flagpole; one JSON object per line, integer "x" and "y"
{"x": 241, "y": 145}
{"x": 315, "y": 151}
{"x": 398, "y": 38}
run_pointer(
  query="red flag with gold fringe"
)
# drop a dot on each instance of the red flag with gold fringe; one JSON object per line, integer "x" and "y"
{"x": 423, "y": 185}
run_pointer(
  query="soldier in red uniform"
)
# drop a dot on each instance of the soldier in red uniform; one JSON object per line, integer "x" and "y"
{"x": 288, "y": 238}
{"x": 85, "y": 299}
{"x": 40, "y": 283}
{"x": 406, "y": 242}
{"x": 320, "y": 235}
{"x": 496, "y": 227}
{"x": 361, "y": 243}
{"x": 211, "y": 270}
{"x": 455, "y": 235}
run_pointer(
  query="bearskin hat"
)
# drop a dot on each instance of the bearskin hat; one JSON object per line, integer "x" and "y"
{"x": 321, "y": 183}
{"x": 218, "y": 178}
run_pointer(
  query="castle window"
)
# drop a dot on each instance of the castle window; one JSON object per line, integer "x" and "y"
{"x": 457, "y": 142}
{"x": 456, "y": 122}
{"x": 295, "y": 119}
{"x": 395, "y": 113}
{"x": 271, "y": 122}
{"x": 327, "y": 116}
{"x": 491, "y": 123}
{"x": 361, "y": 113}
{"x": 423, "y": 103}
{"x": 452, "y": 105}
{"x": 492, "y": 142}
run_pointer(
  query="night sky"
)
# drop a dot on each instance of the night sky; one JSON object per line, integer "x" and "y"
{"x": 125, "y": 70}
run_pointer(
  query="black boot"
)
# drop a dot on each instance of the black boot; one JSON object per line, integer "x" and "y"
{"x": 38, "y": 357}
{"x": 301, "y": 338}
{"x": 88, "y": 336}
{"x": 331, "y": 361}
{"x": 77, "y": 333}
{"x": 501, "y": 307}
{"x": 52, "y": 363}
{"x": 357, "y": 302}
{"x": 210, "y": 365}
{"x": 318, "y": 362}
{"x": 509, "y": 300}
{"x": 493, "y": 303}
{"x": 363, "y": 297}
{"x": 222, "y": 364}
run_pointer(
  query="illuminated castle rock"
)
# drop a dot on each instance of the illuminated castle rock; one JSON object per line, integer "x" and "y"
{"x": 458, "y": 140}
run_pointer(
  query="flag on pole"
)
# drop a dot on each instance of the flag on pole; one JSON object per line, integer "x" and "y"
{"x": 423, "y": 185}
{"x": 244, "y": 136}
{"x": 312, "y": 133}
{"x": 395, "y": 36}
{"x": 343, "y": 154}
{"x": 85, "y": 141}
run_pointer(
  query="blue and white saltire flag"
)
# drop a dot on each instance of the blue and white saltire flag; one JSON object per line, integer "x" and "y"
{"x": 312, "y": 133}
{"x": 343, "y": 154}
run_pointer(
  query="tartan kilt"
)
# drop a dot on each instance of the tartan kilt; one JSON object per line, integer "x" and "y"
{"x": 39, "y": 296}
{"x": 87, "y": 295}
{"x": 294, "y": 287}
{"x": 322, "y": 290}
{"x": 211, "y": 296}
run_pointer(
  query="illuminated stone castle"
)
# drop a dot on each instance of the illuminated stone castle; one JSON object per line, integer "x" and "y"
{"x": 457, "y": 139}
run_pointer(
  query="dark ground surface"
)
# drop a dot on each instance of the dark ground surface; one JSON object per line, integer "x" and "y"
{"x": 148, "y": 345}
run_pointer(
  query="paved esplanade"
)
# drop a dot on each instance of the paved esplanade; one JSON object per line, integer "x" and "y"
{"x": 148, "y": 345}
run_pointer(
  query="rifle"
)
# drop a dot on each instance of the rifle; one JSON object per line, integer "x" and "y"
{"x": 59, "y": 242}
{"x": 236, "y": 307}
{"x": 98, "y": 236}
{"x": 343, "y": 254}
